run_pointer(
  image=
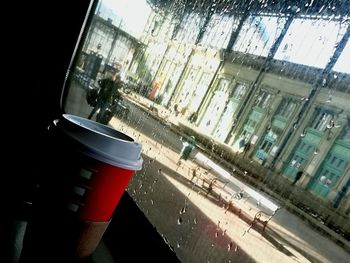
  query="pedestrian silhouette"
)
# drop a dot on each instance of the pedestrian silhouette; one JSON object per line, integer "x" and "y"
{"x": 297, "y": 176}
{"x": 210, "y": 186}
{"x": 108, "y": 92}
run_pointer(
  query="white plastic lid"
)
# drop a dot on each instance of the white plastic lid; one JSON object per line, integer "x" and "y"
{"x": 103, "y": 143}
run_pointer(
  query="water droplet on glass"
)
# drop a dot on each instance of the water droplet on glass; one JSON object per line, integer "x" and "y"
{"x": 195, "y": 221}
{"x": 152, "y": 203}
{"x": 183, "y": 210}
{"x": 179, "y": 221}
{"x": 229, "y": 246}
{"x": 165, "y": 239}
{"x": 236, "y": 248}
{"x": 178, "y": 245}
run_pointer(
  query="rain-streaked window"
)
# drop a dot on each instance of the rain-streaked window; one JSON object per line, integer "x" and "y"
{"x": 242, "y": 109}
{"x": 189, "y": 29}
{"x": 286, "y": 108}
{"x": 311, "y": 41}
{"x": 343, "y": 64}
{"x": 322, "y": 120}
{"x": 258, "y": 34}
{"x": 217, "y": 34}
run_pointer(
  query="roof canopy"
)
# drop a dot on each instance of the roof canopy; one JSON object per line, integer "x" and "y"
{"x": 302, "y": 7}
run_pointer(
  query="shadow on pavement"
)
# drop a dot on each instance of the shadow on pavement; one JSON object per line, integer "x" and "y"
{"x": 192, "y": 235}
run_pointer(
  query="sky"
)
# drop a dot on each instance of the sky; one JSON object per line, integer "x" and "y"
{"x": 133, "y": 12}
{"x": 323, "y": 36}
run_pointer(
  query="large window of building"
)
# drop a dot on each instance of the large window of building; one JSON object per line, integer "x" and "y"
{"x": 322, "y": 120}
{"x": 227, "y": 119}
{"x": 215, "y": 108}
{"x": 276, "y": 129}
{"x": 286, "y": 108}
{"x": 263, "y": 99}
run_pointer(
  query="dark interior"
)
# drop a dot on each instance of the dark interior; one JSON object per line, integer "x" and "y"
{"x": 38, "y": 55}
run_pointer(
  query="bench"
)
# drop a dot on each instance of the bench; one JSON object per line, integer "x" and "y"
{"x": 261, "y": 219}
{"x": 208, "y": 183}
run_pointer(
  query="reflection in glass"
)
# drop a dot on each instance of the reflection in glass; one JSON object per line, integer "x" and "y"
{"x": 262, "y": 91}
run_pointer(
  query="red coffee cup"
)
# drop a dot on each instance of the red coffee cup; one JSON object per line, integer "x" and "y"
{"x": 104, "y": 162}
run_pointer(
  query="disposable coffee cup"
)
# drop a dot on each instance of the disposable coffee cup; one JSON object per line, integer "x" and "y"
{"x": 103, "y": 161}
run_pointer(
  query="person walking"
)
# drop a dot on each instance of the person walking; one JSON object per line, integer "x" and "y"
{"x": 297, "y": 176}
{"x": 107, "y": 94}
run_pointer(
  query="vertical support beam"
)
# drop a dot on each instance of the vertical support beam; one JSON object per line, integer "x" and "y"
{"x": 235, "y": 34}
{"x": 115, "y": 37}
{"x": 90, "y": 33}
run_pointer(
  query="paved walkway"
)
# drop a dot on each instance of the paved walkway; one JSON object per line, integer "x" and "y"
{"x": 287, "y": 230}
{"x": 233, "y": 231}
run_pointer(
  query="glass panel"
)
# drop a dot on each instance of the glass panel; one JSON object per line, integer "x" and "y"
{"x": 322, "y": 120}
{"x": 343, "y": 64}
{"x": 258, "y": 34}
{"x": 243, "y": 152}
{"x": 263, "y": 99}
{"x": 215, "y": 108}
{"x": 311, "y": 41}
{"x": 189, "y": 29}
{"x": 217, "y": 34}
{"x": 286, "y": 108}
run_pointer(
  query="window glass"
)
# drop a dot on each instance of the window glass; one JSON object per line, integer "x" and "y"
{"x": 263, "y": 99}
{"x": 343, "y": 65}
{"x": 242, "y": 109}
{"x": 286, "y": 108}
{"x": 189, "y": 28}
{"x": 218, "y": 32}
{"x": 258, "y": 34}
{"x": 322, "y": 120}
{"x": 311, "y": 41}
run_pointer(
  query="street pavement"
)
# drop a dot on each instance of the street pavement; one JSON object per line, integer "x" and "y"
{"x": 210, "y": 232}
{"x": 289, "y": 229}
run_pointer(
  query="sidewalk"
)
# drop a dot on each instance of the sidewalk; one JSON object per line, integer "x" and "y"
{"x": 285, "y": 227}
{"x": 202, "y": 206}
